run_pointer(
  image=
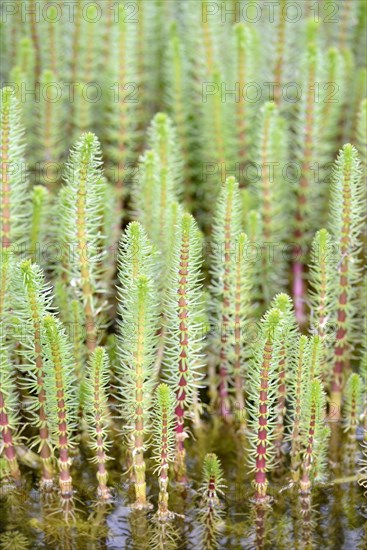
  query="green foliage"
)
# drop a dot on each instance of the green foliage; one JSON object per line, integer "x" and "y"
{"x": 262, "y": 394}
{"x": 322, "y": 284}
{"x": 163, "y": 438}
{"x": 135, "y": 258}
{"x": 362, "y": 133}
{"x": 353, "y": 402}
{"x": 226, "y": 229}
{"x": 10, "y": 405}
{"x": 137, "y": 345}
{"x": 346, "y": 222}
{"x": 210, "y": 507}
{"x": 9, "y": 408}
{"x": 137, "y": 324}
{"x": 13, "y": 540}
{"x": 6, "y": 266}
{"x": 60, "y": 384}
{"x": 39, "y": 218}
{"x": 163, "y": 442}
{"x": 179, "y": 95}
{"x": 269, "y": 155}
{"x": 134, "y": 280}
{"x": 123, "y": 95}
{"x": 14, "y": 217}
{"x": 307, "y": 127}
{"x": 96, "y": 411}
{"x": 81, "y": 207}
{"x": 314, "y": 433}
{"x": 183, "y": 307}
{"x": 33, "y": 301}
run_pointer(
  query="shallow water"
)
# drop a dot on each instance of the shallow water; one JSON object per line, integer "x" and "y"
{"x": 339, "y": 510}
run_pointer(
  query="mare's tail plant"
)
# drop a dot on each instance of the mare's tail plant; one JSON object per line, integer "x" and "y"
{"x": 164, "y": 169}
{"x": 312, "y": 431}
{"x": 34, "y": 302}
{"x": 79, "y": 230}
{"x": 308, "y": 188}
{"x": 347, "y": 217}
{"x": 306, "y": 369}
{"x": 322, "y": 293}
{"x": 136, "y": 257}
{"x": 262, "y": 394}
{"x": 39, "y": 218}
{"x": 226, "y": 229}
{"x": 270, "y": 188}
{"x": 210, "y": 506}
{"x": 6, "y": 267}
{"x": 285, "y": 362}
{"x": 9, "y": 405}
{"x": 299, "y": 383}
{"x": 61, "y": 399}
{"x": 184, "y": 337}
{"x": 362, "y": 133}
{"x": 243, "y": 46}
{"x": 14, "y": 217}
{"x": 137, "y": 351}
{"x": 352, "y": 410}
{"x": 137, "y": 346}
{"x": 158, "y": 327}
{"x": 314, "y": 436}
{"x": 49, "y": 141}
{"x": 163, "y": 141}
{"x": 242, "y": 286}
{"x": 179, "y": 96}
{"x": 97, "y": 415}
{"x": 163, "y": 443}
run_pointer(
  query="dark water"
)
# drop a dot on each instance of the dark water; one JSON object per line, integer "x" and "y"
{"x": 29, "y": 520}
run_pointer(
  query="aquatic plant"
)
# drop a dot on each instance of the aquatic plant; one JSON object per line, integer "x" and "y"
{"x": 284, "y": 304}
{"x": 95, "y": 398}
{"x": 261, "y": 400}
{"x": 322, "y": 292}
{"x": 34, "y": 302}
{"x": 346, "y": 225}
{"x": 182, "y": 226}
{"x": 210, "y": 505}
{"x": 241, "y": 315}
{"x": 8, "y": 409}
{"x": 39, "y": 219}
{"x": 79, "y": 229}
{"x": 315, "y": 439}
{"x": 269, "y": 154}
{"x": 184, "y": 336}
{"x": 308, "y": 190}
{"x": 163, "y": 422}
{"x": 226, "y": 229}
{"x": 61, "y": 398}
{"x": 137, "y": 347}
{"x": 300, "y": 382}
{"x": 352, "y": 409}
{"x": 14, "y": 184}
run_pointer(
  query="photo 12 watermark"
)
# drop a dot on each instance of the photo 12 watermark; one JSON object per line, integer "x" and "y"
{"x": 68, "y": 11}
{"x": 255, "y": 11}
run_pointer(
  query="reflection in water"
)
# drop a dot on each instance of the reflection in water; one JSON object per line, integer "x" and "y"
{"x": 337, "y": 515}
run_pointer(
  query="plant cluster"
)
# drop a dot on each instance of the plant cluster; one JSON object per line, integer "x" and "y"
{"x": 194, "y": 272}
